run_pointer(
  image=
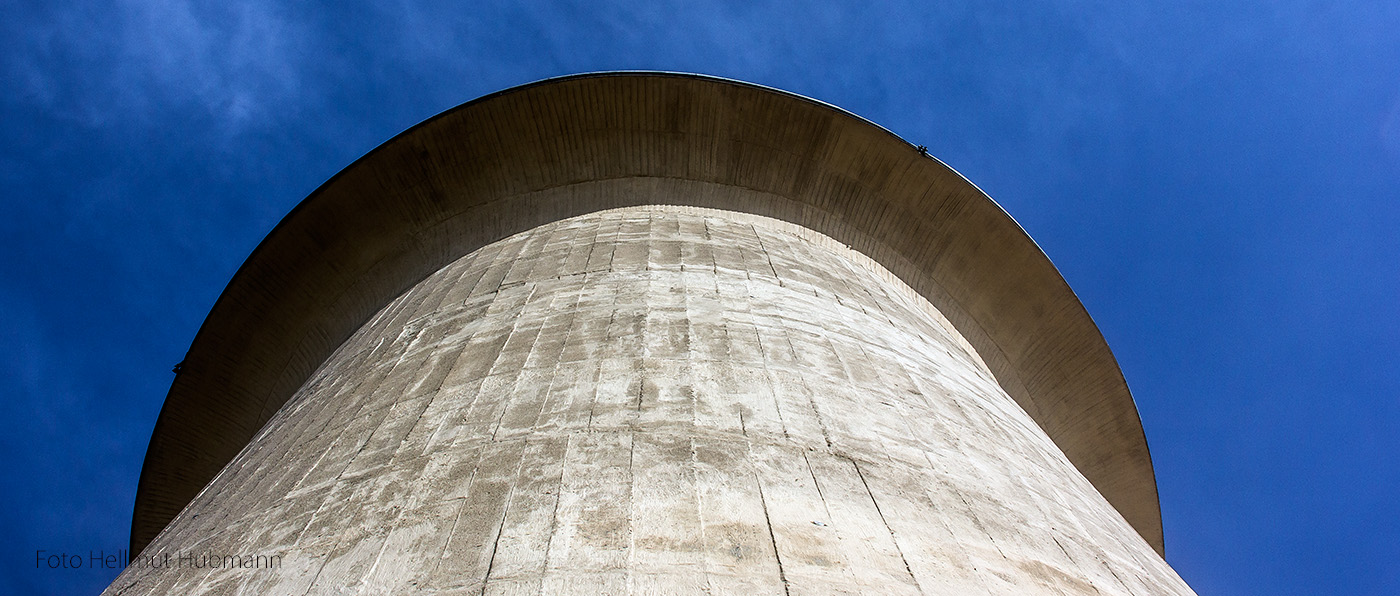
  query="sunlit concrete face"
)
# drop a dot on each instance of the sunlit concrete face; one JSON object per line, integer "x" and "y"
{"x": 657, "y": 400}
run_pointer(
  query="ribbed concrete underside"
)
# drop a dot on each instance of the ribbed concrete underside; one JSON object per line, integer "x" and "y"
{"x": 656, "y": 400}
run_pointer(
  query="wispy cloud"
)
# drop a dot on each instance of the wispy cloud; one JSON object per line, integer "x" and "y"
{"x": 92, "y": 64}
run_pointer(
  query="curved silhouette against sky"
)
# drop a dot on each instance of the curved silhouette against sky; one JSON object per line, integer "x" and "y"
{"x": 1218, "y": 181}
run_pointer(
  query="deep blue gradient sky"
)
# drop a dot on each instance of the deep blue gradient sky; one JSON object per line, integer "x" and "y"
{"x": 1218, "y": 180}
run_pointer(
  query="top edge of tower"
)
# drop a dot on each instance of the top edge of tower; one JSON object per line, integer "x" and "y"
{"x": 557, "y": 148}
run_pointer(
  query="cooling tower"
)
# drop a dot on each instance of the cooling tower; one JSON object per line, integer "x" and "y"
{"x": 648, "y": 333}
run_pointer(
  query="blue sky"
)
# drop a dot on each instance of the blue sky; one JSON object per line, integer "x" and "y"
{"x": 1219, "y": 181}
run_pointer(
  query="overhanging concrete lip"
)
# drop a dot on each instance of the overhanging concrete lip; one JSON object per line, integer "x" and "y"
{"x": 518, "y": 158}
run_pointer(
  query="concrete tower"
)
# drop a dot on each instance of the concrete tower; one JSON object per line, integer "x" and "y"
{"x": 653, "y": 334}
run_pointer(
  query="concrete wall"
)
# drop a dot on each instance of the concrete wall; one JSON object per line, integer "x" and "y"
{"x": 656, "y": 400}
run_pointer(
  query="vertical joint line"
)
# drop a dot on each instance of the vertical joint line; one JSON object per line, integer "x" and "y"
{"x": 766, "y": 256}
{"x": 772, "y": 538}
{"x": 881, "y": 513}
{"x": 505, "y": 510}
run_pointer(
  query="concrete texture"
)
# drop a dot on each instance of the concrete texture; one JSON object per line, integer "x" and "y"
{"x": 657, "y": 400}
{"x": 530, "y": 156}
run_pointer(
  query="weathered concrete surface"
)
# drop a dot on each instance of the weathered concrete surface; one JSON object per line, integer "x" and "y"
{"x": 657, "y": 401}
{"x": 525, "y": 157}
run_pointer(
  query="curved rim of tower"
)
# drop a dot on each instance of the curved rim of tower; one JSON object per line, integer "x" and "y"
{"x": 245, "y": 362}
